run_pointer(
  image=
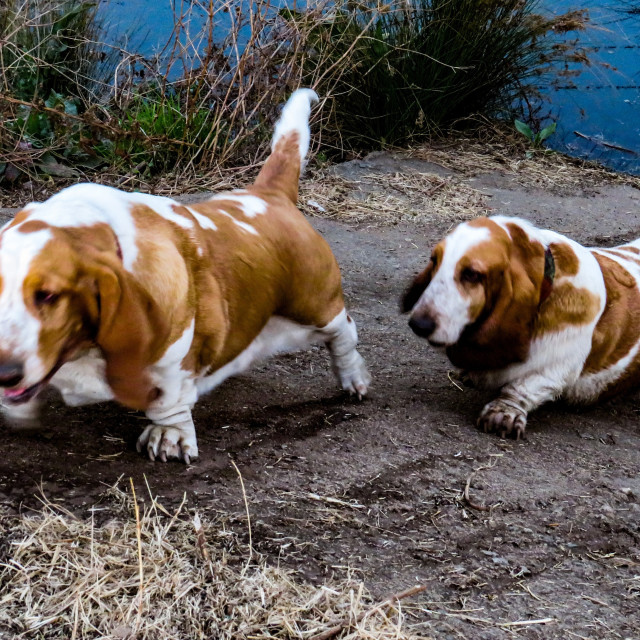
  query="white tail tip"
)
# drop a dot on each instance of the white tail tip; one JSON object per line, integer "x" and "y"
{"x": 295, "y": 117}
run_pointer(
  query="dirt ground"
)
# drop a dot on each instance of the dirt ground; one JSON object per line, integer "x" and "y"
{"x": 376, "y": 487}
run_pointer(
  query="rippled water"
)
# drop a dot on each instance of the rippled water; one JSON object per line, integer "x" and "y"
{"x": 597, "y": 111}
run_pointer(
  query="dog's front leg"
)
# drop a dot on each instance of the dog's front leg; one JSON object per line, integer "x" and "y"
{"x": 172, "y": 434}
{"x": 507, "y": 414}
{"x": 83, "y": 381}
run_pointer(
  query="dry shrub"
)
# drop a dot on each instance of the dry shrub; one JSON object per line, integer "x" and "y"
{"x": 388, "y": 73}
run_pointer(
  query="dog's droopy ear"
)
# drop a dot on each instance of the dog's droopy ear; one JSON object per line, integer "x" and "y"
{"x": 131, "y": 330}
{"x": 416, "y": 289}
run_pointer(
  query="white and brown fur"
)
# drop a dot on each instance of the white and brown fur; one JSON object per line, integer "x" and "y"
{"x": 113, "y": 295}
{"x": 532, "y": 313}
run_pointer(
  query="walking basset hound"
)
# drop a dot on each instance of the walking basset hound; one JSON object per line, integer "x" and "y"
{"x": 112, "y": 295}
{"x": 531, "y": 313}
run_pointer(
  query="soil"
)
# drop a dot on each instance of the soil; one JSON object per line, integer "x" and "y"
{"x": 376, "y": 487}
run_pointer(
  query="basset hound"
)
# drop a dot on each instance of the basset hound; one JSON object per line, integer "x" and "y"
{"x": 531, "y": 313}
{"x": 133, "y": 297}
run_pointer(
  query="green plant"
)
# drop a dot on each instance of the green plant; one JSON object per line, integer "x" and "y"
{"x": 389, "y": 74}
{"x": 55, "y": 100}
{"x": 536, "y": 139}
{"x": 402, "y": 70}
{"x": 52, "y": 70}
{"x": 50, "y": 45}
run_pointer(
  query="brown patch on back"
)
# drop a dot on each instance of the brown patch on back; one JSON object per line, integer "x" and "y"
{"x": 618, "y": 329}
{"x": 567, "y": 262}
{"x": 20, "y": 217}
{"x": 31, "y": 226}
{"x": 163, "y": 265}
{"x": 242, "y": 279}
{"x": 566, "y": 306}
{"x": 620, "y": 253}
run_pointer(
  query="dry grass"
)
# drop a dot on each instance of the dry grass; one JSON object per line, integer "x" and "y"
{"x": 390, "y": 198}
{"x": 164, "y": 575}
{"x": 386, "y": 198}
{"x": 492, "y": 148}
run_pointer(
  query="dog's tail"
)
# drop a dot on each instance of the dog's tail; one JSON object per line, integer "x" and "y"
{"x": 289, "y": 145}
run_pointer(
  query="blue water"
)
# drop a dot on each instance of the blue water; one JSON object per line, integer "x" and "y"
{"x": 601, "y": 103}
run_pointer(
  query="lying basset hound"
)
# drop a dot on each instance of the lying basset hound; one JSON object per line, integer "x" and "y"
{"x": 531, "y": 313}
{"x": 112, "y": 295}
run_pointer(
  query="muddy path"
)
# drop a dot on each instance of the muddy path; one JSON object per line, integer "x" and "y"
{"x": 376, "y": 487}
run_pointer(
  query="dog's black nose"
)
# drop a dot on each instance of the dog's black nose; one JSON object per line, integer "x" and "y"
{"x": 422, "y": 326}
{"x": 11, "y": 373}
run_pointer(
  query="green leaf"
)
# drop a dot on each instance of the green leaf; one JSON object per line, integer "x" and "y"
{"x": 523, "y": 128}
{"x": 53, "y": 100}
{"x": 50, "y": 166}
{"x": 70, "y": 107}
{"x": 547, "y": 131}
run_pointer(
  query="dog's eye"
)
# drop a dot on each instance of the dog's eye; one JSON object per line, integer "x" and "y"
{"x": 470, "y": 276}
{"x": 44, "y": 298}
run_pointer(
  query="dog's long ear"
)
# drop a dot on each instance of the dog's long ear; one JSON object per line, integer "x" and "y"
{"x": 513, "y": 299}
{"x": 129, "y": 329}
{"x": 416, "y": 288}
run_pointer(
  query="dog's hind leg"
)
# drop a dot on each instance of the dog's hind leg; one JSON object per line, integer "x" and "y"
{"x": 341, "y": 338}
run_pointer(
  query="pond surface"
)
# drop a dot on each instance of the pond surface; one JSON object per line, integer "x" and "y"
{"x": 596, "y": 106}
{"x": 598, "y": 111}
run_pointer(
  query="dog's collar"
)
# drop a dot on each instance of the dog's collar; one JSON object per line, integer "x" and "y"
{"x": 549, "y": 275}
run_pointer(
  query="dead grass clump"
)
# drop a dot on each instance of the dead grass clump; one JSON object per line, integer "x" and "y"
{"x": 392, "y": 197}
{"x": 493, "y": 148}
{"x": 162, "y": 575}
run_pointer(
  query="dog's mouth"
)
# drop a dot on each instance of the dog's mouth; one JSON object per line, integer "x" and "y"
{"x": 20, "y": 395}
{"x": 23, "y": 394}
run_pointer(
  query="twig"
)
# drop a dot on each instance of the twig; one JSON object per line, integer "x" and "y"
{"x": 246, "y": 506}
{"x": 122, "y": 180}
{"x": 609, "y": 145}
{"x": 391, "y": 600}
{"x": 139, "y": 537}
{"x": 456, "y": 384}
{"x": 523, "y": 623}
{"x": 342, "y": 503}
{"x": 596, "y": 601}
{"x": 461, "y": 616}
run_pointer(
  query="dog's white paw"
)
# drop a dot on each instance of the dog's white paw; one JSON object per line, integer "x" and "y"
{"x": 169, "y": 443}
{"x": 504, "y": 417}
{"x": 354, "y": 378}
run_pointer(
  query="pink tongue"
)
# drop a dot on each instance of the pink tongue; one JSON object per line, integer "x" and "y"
{"x": 12, "y": 393}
